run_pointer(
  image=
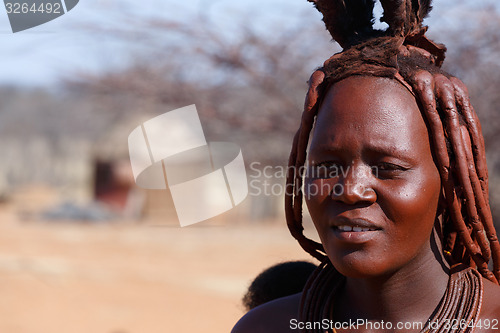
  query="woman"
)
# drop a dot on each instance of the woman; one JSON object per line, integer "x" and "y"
{"x": 397, "y": 188}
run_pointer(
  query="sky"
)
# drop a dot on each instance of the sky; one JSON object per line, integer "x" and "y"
{"x": 41, "y": 56}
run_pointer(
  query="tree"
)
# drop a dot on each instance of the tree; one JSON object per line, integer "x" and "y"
{"x": 249, "y": 86}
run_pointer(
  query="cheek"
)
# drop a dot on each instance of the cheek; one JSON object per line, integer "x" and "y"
{"x": 317, "y": 190}
{"x": 316, "y": 195}
{"x": 414, "y": 203}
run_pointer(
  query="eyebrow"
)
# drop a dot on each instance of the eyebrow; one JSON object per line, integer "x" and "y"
{"x": 387, "y": 150}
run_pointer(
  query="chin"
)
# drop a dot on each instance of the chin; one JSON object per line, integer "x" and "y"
{"x": 359, "y": 266}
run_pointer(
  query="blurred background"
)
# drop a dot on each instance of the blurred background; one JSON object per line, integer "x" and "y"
{"x": 82, "y": 249}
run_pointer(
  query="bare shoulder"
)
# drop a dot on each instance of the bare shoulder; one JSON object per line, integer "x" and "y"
{"x": 490, "y": 310}
{"x": 273, "y": 317}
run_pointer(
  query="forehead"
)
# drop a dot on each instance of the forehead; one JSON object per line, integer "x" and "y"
{"x": 378, "y": 111}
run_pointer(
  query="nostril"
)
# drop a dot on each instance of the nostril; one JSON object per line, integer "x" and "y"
{"x": 354, "y": 185}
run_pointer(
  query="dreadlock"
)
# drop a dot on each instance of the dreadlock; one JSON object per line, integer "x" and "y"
{"x": 405, "y": 54}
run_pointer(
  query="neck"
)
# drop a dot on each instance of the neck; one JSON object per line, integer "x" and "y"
{"x": 410, "y": 294}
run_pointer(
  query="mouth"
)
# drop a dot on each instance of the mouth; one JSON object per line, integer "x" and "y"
{"x": 354, "y": 225}
{"x": 355, "y": 230}
{"x": 348, "y": 228}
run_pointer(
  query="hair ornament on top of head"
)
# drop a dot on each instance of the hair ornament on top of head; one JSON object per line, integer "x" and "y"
{"x": 350, "y": 22}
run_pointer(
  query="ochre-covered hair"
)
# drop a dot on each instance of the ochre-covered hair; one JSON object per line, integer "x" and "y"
{"x": 404, "y": 53}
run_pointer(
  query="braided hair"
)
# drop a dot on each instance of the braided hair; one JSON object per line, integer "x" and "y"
{"x": 404, "y": 53}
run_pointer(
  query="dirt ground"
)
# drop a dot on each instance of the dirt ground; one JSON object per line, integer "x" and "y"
{"x": 129, "y": 278}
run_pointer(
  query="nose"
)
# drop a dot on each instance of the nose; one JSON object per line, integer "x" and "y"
{"x": 356, "y": 186}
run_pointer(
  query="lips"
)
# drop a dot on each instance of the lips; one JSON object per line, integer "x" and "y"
{"x": 354, "y": 225}
{"x": 355, "y": 231}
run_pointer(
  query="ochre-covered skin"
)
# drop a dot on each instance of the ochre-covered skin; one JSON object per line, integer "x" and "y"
{"x": 372, "y": 129}
{"x": 370, "y": 133}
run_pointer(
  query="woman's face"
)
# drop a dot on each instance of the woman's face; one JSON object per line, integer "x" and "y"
{"x": 372, "y": 187}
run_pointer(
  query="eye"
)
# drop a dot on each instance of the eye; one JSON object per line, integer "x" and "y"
{"x": 326, "y": 170}
{"x": 385, "y": 170}
{"x": 385, "y": 166}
